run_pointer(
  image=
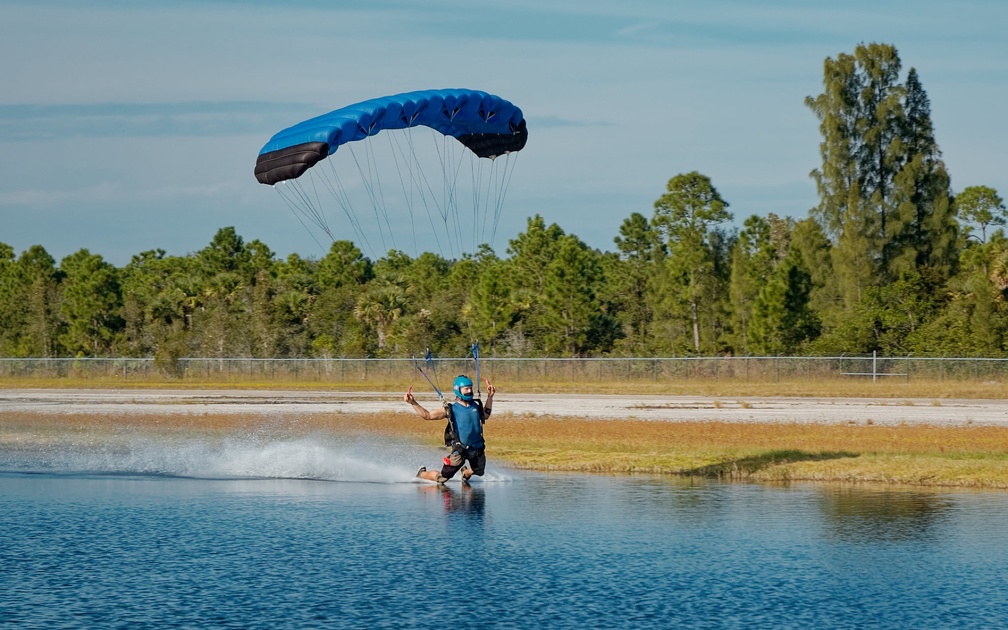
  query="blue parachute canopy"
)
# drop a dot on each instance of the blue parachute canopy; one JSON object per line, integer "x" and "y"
{"x": 486, "y": 124}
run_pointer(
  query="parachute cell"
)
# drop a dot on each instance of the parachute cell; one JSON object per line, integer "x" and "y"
{"x": 487, "y": 125}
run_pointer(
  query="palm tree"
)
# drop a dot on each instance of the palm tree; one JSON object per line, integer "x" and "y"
{"x": 999, "y": 266}
{"x": 385, "y": 300}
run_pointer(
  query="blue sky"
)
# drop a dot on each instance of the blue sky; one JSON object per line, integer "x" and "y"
{"x": 129, "y": 126}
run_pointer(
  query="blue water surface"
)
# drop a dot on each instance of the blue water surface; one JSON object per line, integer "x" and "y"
{"x": 148, "y": 543}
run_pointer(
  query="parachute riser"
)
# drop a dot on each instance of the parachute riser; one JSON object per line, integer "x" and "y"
{"x": 476, "y": 359}
{"x": 430, "y": 361}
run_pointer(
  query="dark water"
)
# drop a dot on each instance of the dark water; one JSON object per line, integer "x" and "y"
{"x": 193, "y": 534}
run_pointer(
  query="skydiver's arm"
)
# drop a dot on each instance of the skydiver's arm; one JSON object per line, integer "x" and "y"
{"x": 491, "y": 390}
{"x": 437, "y": 414}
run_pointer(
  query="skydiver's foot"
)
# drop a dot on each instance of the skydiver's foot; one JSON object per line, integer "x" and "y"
{"x": 441, "y": 479}
{"x": 465, "y": 477}
{"x": 422, "y": 470}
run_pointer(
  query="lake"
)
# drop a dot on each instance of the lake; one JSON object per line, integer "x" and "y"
{"x": 257, "y": 531}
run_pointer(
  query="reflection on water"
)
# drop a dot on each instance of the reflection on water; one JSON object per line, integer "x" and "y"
{"x": 890, "y": 515}
{"x": 244, "y": 531}
{"x": 463, "y": 499}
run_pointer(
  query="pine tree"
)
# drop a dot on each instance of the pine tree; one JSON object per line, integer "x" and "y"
{"x": 980, "y": 205}
{"x": 491, "y": 307}
{"x": 90, "y": 304}
{"x": 752, "y": 261}
{"x": 29, "y": 303}
{"x": 569, "y": 295}
{"x": 924, "y": 234}
{"x": 627, "y": 277}
{"x": 687, "y": 217}
{"x": 532, "y": 252}
{"x": 884, "y": 192}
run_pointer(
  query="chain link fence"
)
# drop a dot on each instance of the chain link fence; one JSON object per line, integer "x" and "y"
{"x": 527, "y": 370}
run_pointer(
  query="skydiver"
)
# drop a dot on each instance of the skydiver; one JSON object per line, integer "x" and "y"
{"x": 464, "y": 434}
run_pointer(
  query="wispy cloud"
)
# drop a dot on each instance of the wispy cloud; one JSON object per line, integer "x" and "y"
{"x": 554, "y": 122}
{"x": 110, "y": 120}
{"x": 38, "y": 197}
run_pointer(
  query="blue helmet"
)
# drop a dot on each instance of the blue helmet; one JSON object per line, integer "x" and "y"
{"x": 463, "y": 381}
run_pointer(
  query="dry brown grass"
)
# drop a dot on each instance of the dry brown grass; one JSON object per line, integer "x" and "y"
{"x": 967, "y": 456}
{"x": 848, "y": 387}
{"x": 963, "y": 456}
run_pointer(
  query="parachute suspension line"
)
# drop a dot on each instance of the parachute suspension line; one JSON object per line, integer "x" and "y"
{"x": 457, "y": 161}
{"x": 335, "y": 186}
{"x": 495, "y": 179}
{"x": 451, "y": 194}
{"x": 397, "y": 154}
{"x": 406, "y": 159}
{"x": 449, "y": 210}
{"x": 489, "y": 187}
{"x": 485, "y": 200}
{"x": 302, "y": 202}
{"x": 478, "y": 217}
{"x": 369, "y": 187}
{"x": 496, "y": 197}
{"x": 463, "y": 156}
{"x": 380, "y": 205}
{"x": 422, "y": 182}
{"x": 444, "y": 208}
{"x": 493, "y": 197}
{"x": 299, "y": 214}
{"x": 505, "y": 182}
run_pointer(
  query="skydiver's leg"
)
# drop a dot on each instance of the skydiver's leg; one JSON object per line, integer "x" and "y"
{"x": 477, "y": 459}
{"x": 431, "y": 475}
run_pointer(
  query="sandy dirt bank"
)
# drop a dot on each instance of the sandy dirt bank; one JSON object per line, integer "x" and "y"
{"x": 881, "y": 411}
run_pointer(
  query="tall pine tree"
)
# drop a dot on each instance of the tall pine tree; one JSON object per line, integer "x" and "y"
{"x": 884, "y": 193}
{"x": 687, "y": 217}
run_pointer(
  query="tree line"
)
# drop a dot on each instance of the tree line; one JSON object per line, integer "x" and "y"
{"x": 890, "y": 260}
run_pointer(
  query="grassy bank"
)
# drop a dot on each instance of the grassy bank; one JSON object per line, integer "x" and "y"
{"x": 963, "y": 456}
{"x": 919, "y": 455}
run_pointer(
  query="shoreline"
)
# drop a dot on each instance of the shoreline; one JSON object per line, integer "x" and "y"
{"x": 955, "y": 443}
